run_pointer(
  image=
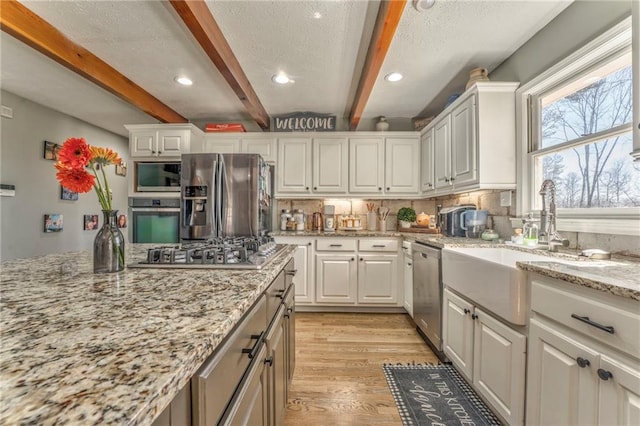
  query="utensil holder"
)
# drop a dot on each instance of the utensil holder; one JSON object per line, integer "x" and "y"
{"x": 372, "y": 219}
{"x": 382, "y": 225}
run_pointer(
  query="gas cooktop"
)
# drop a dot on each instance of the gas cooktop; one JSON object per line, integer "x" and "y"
{"x": 219, "y": 253}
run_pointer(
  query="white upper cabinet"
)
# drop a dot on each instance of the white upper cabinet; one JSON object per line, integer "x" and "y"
{"x": 221, "y": 145}
{"x": 402, "y": 164}
{"x": 474, "y": 140}
{"x": 463, "y": 143}
{"x": 162, "y": 140}
{"x": 293, "y": 170}
{"x": 427, "y": 175}
{"x": 247, "y": 143}
{"x": 366, "y": 165}
{"x": 330, "y": 165}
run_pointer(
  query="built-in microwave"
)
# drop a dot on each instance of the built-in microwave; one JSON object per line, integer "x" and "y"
{"x": 157, "y": 176}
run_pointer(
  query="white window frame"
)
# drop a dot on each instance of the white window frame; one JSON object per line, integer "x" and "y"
{"x": 594, "y": 220}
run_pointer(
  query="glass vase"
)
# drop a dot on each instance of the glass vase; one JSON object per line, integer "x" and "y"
{"x": 108, "y": 247}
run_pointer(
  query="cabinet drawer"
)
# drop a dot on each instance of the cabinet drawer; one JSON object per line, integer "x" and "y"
{"x": 336, "y": 244}
{"x": 378, "y": 244}
{"x": 582, "y": 311}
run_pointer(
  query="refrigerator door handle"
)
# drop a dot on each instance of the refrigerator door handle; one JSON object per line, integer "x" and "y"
{"x": 220, "y": 170}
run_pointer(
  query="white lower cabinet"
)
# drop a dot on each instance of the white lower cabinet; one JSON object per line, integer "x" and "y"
{"x": 336, "y": 278}
{"x": 347, "y": 271}
{"x": 583, "y": 366}
{"x": 490, "y": 354}
{"x": 304, "y": 279}
{"x": 408, "y": 277}
{"x": 377, "y": 281}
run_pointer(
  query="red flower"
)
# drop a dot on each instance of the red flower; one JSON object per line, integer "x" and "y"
{"x": 74, "y": 179}
{"x": 75, "y": 153}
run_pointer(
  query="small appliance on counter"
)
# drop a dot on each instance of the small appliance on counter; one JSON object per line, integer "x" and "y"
{"x": 329, "y": 218}
{"x": 474, "y": 222}
{"x": 317, "y": 223}
{"x": 451, "y": 220}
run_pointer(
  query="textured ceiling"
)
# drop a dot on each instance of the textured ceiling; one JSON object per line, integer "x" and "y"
{"x": 148, "y": 43}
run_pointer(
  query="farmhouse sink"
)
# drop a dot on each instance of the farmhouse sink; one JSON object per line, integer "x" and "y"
{"x": 489, "y": 277}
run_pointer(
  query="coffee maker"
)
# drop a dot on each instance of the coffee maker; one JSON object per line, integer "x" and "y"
{"x": 329, "y": 218}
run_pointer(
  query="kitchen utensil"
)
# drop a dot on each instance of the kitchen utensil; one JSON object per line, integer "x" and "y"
{"x": 317, "y": 221}
{"x": 372, "y": 218}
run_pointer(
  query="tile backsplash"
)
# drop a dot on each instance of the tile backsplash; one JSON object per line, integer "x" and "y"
{"x": 499, "y": 217}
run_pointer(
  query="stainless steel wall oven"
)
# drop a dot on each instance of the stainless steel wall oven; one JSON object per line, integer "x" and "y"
{"x": 154, "y": 220}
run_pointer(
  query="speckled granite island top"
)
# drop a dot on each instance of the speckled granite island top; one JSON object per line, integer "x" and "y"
{"x": 84, "y": 348}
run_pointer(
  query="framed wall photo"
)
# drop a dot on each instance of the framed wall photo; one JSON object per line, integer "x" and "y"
{"x": 51, "y": 150}
{"x": 122, "y": 221}
{"x": 121, "y": 169}
{"x": 67, "y": 194}
{"x": 90, "y": 222}
{"x": 53, "y": 222}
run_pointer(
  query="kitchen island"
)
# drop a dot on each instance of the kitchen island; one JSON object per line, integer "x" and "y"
{"x": 84, "y": 348}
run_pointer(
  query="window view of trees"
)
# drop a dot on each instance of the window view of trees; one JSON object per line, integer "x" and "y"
{"x": 597, "y": 173}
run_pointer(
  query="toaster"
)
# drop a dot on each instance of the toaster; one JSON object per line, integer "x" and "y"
{"x": 450, "y": 220}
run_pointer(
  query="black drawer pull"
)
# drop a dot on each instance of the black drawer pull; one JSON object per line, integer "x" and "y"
{"x": 604, "y": 374}
{"x": 380, "y": 245}
{"x": 582, "y": 363}
{"x": 254, "y": 350}
{"x": 335, "y": 245}
{"x": 269, "y": 361}
{"x": 586, "y": 320}
{"x": 291, "y": 272}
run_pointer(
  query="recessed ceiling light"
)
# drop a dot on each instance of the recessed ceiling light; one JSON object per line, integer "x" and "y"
{"x": 317, "y": 15}
{"x": 421, "y": 5}
{"x": 281, "y": 78}
{"x": 393, "y": 76}
{"x": 185, "y": 81}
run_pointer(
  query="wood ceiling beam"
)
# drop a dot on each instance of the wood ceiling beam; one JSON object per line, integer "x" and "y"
{"x": 385, "y": 27}
{"x": 29, "y": 28}
{"x": 199, "y": 20}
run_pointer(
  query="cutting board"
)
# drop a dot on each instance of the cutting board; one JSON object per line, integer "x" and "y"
{"x": 420, "y": 229}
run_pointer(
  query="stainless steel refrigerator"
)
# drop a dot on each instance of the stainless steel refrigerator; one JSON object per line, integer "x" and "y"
{"x": 225, "y": 195}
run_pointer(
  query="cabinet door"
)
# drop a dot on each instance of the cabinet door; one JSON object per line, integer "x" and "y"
{"x": 619, "y": 395}
{"x": 143, "y": 143}
{"x": 366, "y": 165}
{"x": 330, "y": 165}
{"x": 251, "y": 404}
{"x": 562, "y": 379}
{"x": 457, "y": 330}
{"x": 442, "y": 152}
{"x": 172, "y": 143}
{"x": 499, "y": 359}
{"x": 427, "y": 181}
{"x": 336, "y": 278}
{"x": 266, "y": 147}
{"x": 463, "y": 143}
{"x": 402, "y": 165}
{"x": 293, "y": 174}
{"x": 276, "y": 360}
{"x": 303, "y": 258}
{"x": 408, "y": 285}
{"x": 378, "y": 278}
{"x": 219, "y": 145}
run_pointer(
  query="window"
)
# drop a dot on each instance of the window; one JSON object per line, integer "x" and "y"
{"x": 576, "y": 129}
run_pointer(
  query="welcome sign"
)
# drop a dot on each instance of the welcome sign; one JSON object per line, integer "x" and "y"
{"x": 304, "y": 122}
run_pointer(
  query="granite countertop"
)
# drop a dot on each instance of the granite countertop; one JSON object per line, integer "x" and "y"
{"x": 84, "y": 348}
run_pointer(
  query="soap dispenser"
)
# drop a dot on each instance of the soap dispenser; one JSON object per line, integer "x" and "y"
{"x": 530, "y": 231}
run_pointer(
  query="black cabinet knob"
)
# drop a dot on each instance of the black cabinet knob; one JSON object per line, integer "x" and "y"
{"x": 315, "y": 188}
{"x": 604, "y": 374}
{"x": 388, "y": 188}
{"x": 466, "y": 311}
{"x": 308, "y": 244}
{"x": 307, "y": 188}
{"x": 379, "y": 188}
{"x": 474, "y": 316}
{"x": 269, "y": 361}
{"x": 582, "y": 363}
{"x": 352, "y": 259}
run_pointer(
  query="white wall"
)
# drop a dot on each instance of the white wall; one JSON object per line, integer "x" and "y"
{"x": 37, "y": 190}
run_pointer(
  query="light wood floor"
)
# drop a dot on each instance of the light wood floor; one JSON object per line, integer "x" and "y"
{"x": 338, "y": 378}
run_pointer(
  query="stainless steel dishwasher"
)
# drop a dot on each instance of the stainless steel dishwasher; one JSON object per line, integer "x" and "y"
{"x": 427, "y": 294}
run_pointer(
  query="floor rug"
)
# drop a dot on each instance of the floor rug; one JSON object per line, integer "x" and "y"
{"x": 429, "y": 394}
